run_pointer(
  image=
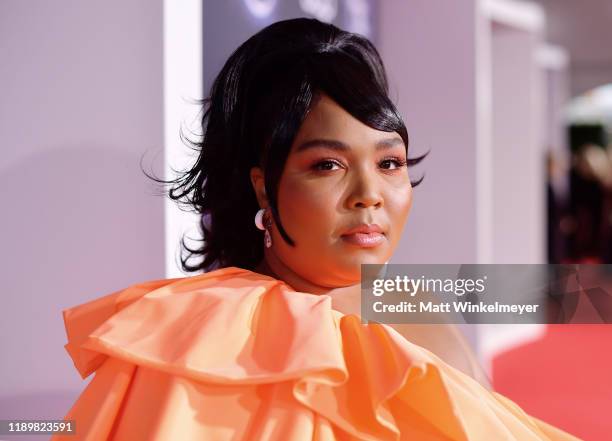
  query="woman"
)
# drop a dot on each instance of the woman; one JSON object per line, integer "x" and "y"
{"x": 301, "y": 178}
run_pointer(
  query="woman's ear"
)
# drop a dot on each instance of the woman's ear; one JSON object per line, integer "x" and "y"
{"x": 258, "y": 182}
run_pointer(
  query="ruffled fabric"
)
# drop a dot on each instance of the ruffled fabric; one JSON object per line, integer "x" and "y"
{"x": 236, "y": 355}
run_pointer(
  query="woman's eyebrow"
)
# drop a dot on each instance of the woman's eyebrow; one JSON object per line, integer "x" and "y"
{"x": 340, "y": 146}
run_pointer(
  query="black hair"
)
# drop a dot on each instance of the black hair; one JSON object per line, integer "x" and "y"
{"x": 254, "y": 110}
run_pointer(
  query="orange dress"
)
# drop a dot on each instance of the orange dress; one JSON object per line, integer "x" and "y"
{"x": 236, "y": 355}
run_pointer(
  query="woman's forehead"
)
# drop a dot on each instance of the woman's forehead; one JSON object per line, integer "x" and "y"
{"x": 329, "y": 121}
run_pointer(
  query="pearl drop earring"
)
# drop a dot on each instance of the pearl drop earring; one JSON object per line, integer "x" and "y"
{"x": 259, "y": 223}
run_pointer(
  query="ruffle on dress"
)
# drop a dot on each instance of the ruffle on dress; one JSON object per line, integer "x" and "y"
{"x": 233, "y": 355}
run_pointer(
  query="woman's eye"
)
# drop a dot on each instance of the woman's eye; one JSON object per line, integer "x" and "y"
{"x": 325, "y": 165}
{"x": 385, "y": 163}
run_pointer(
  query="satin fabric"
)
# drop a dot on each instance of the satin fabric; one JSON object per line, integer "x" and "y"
{"x": 233, "y": 355}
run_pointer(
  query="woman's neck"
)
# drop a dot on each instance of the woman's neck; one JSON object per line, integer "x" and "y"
{"x": 346, "y": 299}
{"x": 271, "y": 266}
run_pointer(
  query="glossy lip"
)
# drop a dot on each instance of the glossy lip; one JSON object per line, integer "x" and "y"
{"x": 365, "y": 235}
{"x": 366, "y": 240}
{"x": 364, "y": 228}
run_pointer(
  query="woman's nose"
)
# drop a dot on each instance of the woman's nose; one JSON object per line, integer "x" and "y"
{"x": 365, "y": 193}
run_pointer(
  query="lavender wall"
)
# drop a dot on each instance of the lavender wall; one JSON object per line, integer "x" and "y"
{"x": 519, "y": 187}
{"x": 583, "y": 28}
{"x": 430, "y": 56}
{"x": 81, "y": 103}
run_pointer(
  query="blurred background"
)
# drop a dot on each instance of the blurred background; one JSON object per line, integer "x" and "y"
{"x": 513, "y": 98}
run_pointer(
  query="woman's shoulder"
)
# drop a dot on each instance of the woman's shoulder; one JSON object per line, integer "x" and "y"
{"x": 195, "y": 313}
{"x": 233, "y": 327}
{"x": 94, "y": 311}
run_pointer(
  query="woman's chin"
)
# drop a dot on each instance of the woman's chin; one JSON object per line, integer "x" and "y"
{"x": 352, "y": 265}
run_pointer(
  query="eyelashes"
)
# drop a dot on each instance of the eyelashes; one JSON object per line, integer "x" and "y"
{"x": 323, "y": 165}
{"x": 399, "y": 162}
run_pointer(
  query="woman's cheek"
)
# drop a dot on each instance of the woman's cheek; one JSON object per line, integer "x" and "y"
{"x": 313, "y": 208}
{"x": 298, "y": 203}
{"x": 401, "y": 204}
{"x": 311, "y": 211}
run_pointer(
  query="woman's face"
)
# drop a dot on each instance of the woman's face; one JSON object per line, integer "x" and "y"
{"x": 340, "y": 174}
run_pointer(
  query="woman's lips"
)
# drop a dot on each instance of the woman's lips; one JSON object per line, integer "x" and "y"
{"x": 367, "y": 240}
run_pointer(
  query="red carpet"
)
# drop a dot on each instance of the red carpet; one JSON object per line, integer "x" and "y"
{"x": 564, "y": 379}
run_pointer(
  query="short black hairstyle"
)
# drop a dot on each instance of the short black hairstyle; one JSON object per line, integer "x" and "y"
{"x": 255, "y": 108}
